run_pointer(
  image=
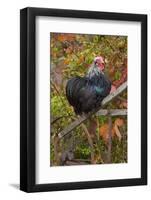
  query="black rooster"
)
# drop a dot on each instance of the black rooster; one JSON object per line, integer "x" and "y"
{"x": 86, "y": 93}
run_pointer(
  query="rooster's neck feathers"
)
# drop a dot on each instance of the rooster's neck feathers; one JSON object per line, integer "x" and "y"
{"x": 93, "y": 71}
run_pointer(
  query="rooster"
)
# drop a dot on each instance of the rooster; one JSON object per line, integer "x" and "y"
{"x": 86, "y": 93}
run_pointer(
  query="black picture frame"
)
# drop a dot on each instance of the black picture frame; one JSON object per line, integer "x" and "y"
{"x": 28, "y": 99}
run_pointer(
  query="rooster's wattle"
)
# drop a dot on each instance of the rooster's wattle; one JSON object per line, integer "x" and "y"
{"x": 86, "y": 93}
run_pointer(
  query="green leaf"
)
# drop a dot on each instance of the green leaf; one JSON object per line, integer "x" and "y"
{"x": 117, "y": 75}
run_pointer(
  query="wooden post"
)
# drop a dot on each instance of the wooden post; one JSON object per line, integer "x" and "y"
{"x": 109, "y": 140}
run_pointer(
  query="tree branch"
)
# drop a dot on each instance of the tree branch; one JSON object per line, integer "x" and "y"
{"x": 81, "y": 119}
{"x": 90, "y": 141}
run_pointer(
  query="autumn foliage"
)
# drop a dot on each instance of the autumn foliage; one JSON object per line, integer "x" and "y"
{"x": 104, "y": 130}
{"x": 71, "y": 55}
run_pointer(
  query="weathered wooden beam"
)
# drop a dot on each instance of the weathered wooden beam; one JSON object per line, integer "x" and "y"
{"x": 103, "y": 112}
{"x": 112, "y": 112}
{"x": 81, "y": 119}
{"x": 111, "y": 96}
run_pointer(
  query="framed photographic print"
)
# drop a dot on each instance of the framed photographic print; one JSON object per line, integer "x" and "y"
{"x": 83, "y": 99}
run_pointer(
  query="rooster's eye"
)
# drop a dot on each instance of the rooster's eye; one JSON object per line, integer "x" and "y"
{"x": 96, "y": 63}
